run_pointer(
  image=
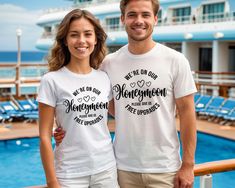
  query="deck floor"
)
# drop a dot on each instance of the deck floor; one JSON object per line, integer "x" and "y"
{"x": 25, "y": 130}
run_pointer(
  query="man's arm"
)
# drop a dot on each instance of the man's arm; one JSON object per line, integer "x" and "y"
{"x": 111, "y": 108}
{"x": 186, "y": 111}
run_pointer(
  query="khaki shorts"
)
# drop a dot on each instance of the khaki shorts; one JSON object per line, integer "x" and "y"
{"x": 145, "y": 180}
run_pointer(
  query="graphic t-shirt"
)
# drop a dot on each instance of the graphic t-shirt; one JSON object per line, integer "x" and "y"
{"x": 81, "y": 106}
{"x": 144, "y": 89}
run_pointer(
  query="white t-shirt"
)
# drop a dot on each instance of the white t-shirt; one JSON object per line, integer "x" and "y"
{"x": 144, "y": 89}
{"x": 81, "y": 106}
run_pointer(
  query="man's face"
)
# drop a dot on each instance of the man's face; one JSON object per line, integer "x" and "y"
{"x": 139, "y": 20}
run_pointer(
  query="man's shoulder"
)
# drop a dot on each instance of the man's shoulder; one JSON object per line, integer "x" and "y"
{"x": 113, "y": 57}
{"x": 115, "y": 54}
{"x": 170, "y": 52}
{"x": 168, "y": 49}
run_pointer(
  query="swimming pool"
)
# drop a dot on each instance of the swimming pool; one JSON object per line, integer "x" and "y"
{"x": 20, "y": 164}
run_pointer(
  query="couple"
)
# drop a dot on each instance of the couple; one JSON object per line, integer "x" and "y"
{"x": 148, "y": 80}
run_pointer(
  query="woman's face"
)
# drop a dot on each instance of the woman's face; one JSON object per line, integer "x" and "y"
{"x": 81, "y": 40}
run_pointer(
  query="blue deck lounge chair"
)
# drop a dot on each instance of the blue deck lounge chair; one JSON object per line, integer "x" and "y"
{"x": 225, "y": 108}
{"x": 202, "y": 102}
{"x": 10, "y": 109}
{"x": 230, "y": 116}
{"x": 196, "y": 97}
{"x": 213, "y": 106}
{"x": 3, "y": 116}
{"x": 29, "y": 109}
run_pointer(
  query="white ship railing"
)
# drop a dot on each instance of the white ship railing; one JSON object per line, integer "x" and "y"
{"x": 167, "y": 21}
{"x": 194, "y": 19}
{"x": 182, "y": 20}
{"x": 215, "y": 83}
{"x": 79, "y": 4}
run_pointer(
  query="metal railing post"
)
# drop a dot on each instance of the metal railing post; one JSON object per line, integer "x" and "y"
{"x": 206, "y": 181}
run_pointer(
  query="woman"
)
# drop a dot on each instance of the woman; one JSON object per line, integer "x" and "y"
{"x": 76, "y": 94}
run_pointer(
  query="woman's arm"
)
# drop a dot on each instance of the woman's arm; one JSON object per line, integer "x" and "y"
{"x": 46, "y": 121}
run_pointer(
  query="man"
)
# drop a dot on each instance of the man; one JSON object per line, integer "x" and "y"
{"x": 148, "y": 81}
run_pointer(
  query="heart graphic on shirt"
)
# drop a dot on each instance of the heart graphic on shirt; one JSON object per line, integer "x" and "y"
{"x": 148, "y": 83}
{"x": 132, "y": 84}
{"x": 79, "y": 100}
{"x": 115, "y": 88}
{"x": 93, "y": 98}
{"x": 86, "y": 98}
{"x": 141, "y": 83}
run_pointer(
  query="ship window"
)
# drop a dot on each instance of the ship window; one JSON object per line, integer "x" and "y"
{"x": 213, "y": 12}
{"x": 47, "y": 29}
{"x": 159, "y": 16}
{"x": 232, "y": 58}
{"x": 82, "y": 1}
{"x": 205, "y": 59}
{"x": 181, "y": 14}
{"x": 112, "y": 23}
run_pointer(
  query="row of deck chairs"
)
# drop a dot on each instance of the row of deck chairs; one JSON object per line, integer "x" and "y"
{"x": 26, "y": 110}
{"x": 215, "y": 108}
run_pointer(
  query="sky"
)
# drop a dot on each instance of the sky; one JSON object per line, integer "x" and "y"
{"x": 23, "y": 14}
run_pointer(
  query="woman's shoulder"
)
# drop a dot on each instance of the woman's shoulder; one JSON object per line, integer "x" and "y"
{"x": 51, "y": 75}
{"x": 101, "y": 74}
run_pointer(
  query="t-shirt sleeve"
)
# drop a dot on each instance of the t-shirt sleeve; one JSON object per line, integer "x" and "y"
{"x": 46, "y": 93}
{"x": 110, "y": 97}
{"x": 183, "y": 79}
{"x": 104, "y": 64}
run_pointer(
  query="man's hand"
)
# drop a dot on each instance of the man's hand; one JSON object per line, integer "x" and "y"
{"x": 53, "y": 184}
{"x": 184, "y": 178}
{"x": 58, "y": 134}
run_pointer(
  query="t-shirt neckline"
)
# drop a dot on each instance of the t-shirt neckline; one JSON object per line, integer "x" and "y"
{"x": 65, "y": 69}
{"x": 140, "y": 55}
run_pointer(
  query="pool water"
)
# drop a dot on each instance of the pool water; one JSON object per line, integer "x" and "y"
{"x": 20, "y": 164}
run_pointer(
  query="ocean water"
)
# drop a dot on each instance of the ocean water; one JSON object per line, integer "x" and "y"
{"x": 26, "y": 57}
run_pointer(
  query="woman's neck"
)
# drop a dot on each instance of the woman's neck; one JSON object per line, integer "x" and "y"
{"x": 79, "y": 67}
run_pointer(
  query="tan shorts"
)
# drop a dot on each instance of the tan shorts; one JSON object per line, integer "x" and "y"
{"x": 145, "y": 180}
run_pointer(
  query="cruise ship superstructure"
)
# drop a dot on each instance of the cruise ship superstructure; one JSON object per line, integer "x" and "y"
{"x": 203, "y": 30}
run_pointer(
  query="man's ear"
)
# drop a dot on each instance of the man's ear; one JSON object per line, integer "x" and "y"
{"x": 155, "y": 20}
{"x": 122, "y": 18}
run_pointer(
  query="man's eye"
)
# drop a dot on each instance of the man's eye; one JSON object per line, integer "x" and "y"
{"x": 146, "y": 15}
{"x": 131, "y": 15}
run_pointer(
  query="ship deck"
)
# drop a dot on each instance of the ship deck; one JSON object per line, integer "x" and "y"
{"x": 26, "y": 130}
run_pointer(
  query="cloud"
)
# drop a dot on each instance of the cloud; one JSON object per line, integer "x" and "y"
{"x": 13, "y": 17}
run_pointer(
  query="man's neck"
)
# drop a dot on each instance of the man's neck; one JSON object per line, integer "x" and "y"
{"x": 140, "y": 47}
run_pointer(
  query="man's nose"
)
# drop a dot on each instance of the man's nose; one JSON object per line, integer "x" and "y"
{"x": 139, "y": 19}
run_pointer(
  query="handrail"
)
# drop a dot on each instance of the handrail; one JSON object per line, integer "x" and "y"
{"x": 6, "y": 65}
{"x": 214, "y": 167}
{"x": 210, "y": 73}
{"x": 201, "y": 169}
